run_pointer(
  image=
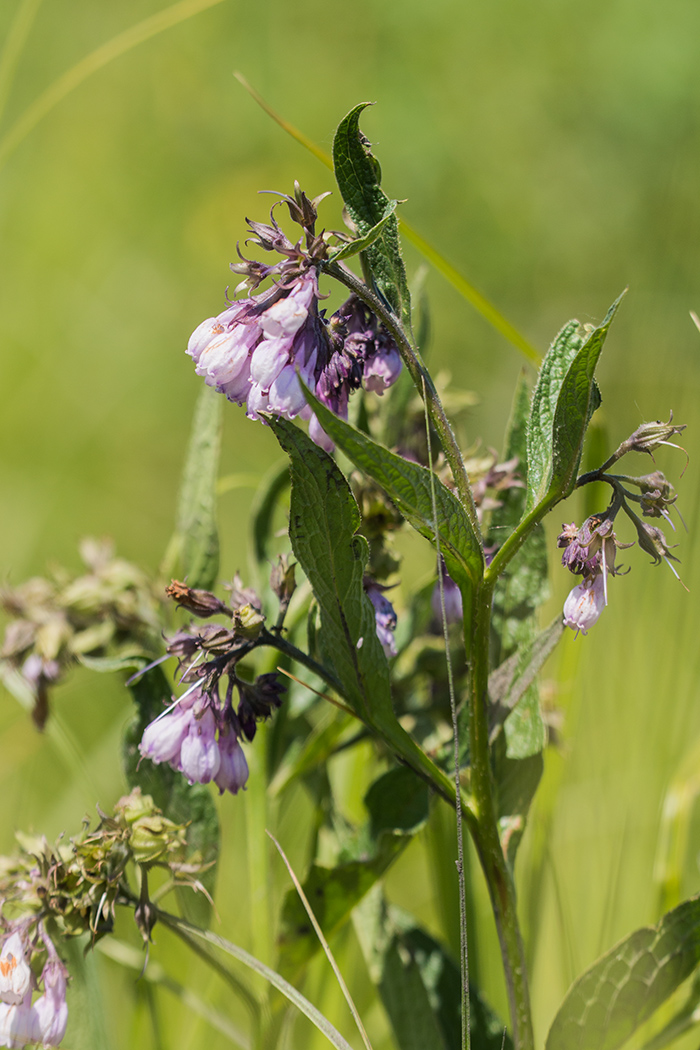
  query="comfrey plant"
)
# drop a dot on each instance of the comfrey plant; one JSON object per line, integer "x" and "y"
{"x": 445, "y": 684}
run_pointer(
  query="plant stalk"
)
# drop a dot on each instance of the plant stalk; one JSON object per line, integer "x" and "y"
{"x": 422, "y": 381}
{"x": 486, "y": 836}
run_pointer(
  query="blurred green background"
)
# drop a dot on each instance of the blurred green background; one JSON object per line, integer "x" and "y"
{"x": 551, "y": 152}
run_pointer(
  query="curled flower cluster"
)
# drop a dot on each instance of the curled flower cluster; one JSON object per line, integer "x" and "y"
{"x": 200, "y": 735}
{"x": 195, "y": 739}
{"x": 589, "y": 552}
{"x": 256, "y": 351}
{"x": 21, "y": 1020}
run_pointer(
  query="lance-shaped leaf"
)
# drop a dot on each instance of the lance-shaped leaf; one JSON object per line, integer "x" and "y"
{"x": 323, "y": 523}
{"x": 578, "y": 399}
{"x": 190, "y": 804}
{"x": 397, "y": 804}
{"x": 409, "y": 485}
{"x": 193, "y": 551}
{"x": 512, "y": 679}
{"x": 521, "y": 589}
{"x": 361, "y": 244}
{"x": 419, "y": 983}
{"x": 565, "y": 398}
{"x": 607, "y": 1003}
{"x": 359, "y": 177}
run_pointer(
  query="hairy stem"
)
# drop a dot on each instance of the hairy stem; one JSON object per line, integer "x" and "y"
{"x": 422, "y": 381}
{"x": 485, "y": 833}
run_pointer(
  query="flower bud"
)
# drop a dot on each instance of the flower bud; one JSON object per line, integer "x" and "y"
{"x": 248, "y": 622}
{"x": 649, "y": 436}
{"x": 282, "y": 579}
{"x": 154, "y": 836}
{"x": 201, "y": 603}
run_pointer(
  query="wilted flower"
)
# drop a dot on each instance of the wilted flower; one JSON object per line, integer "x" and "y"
{"x": 385, "y": 617}
{"x": 649, "y": 436}
{"x": 584, "y": 604}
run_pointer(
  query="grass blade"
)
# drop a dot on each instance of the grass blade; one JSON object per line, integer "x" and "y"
{"x": 93, "y": 63}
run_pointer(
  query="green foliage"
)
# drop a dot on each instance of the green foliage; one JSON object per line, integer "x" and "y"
{"x": 397, "y": 806}
{"x": 520, "y": 591}
{"x": 607, "y": 1003}
{"x": 565, "y": 398}
{"x": 193, "y": 552}
{"x": 359, "y": 176}
{"x": 361, "y": 244}
{"x": 419, "y": 982}
{"x": 409, "y": 486}
{"x": 324, "y": 520}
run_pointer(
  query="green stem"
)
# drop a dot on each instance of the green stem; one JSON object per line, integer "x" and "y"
{"x": 422, "y": 381}
{"x": 395, "y": 736}
{"x": 486, "y": 836}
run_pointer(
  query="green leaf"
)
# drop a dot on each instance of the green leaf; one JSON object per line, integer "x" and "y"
{"x": 397, "y": 804}
{"x": 517, "y": 780}
{"x": 419, "y": 983}
{"x": 540, "y": 426}
{"x": 124, "y": 662}
{"x": 607, "y": 1003}
{"x": 409, "y": 486}
{"x": 565, "y": 398}
{"x": 578, "y": 400}
{"x": 361, "y": 244}
{"x": 324, "y": 519}
{"x": 273, "y": 486}
{"x": 193, "y": 551}
{"x": 190, "y": 804}
{"x": 521, "y": 589}
{"x": 509, "y": 683}
{"x": 359, "y": 176}
{"x": 684, "y": 1020}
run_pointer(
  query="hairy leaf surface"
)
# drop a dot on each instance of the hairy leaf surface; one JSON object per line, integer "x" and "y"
{"x": 359, "y": 178}
{"x": 409, "y": 486}
{"x": 607, "y": 1003}
{"x": 324, "y": 519}
{"x": 193, "y": 552}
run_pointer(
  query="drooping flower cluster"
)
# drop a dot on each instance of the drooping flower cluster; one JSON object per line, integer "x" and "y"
{"x": 589, "y": 552}
{"x": 21, "y": 1020}
{"x": 256, "y": 351}
{"x": 194, "y": 737}
{"x": 200, "y": 734}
